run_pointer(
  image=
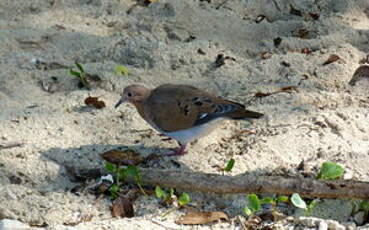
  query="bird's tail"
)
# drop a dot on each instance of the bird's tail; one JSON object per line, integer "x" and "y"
{"x": 245, "y": 114}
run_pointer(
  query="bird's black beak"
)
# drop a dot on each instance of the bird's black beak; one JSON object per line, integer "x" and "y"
{"x": 122, "y": 100}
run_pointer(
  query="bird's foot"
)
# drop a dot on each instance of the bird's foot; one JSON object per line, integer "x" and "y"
{"x": 177, "y": 152}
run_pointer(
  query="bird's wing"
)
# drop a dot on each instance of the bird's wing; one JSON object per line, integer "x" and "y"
{"x": 179, "y": 107}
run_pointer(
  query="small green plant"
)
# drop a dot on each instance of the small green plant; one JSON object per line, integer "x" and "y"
{"x": 110, "y": 167}
{"x": 330, "y": 171}
{"x": 114, "y": 191}
{"x": 81, "y": 75}
{"x": 229, "y": 165}
{"x": 169, "y": 196}
{"x": 364, "y": 206}
{"x": 163, "y": 195}
{"x": 184, "y": 199}
{"x": 298, "y": 202}
{"x": 133, "y": 172}
{"x": 121, "y": 70}
{"x": 255, "y": 203}
{"x": 253, "y": 206}
{"x": 122, "y": 174}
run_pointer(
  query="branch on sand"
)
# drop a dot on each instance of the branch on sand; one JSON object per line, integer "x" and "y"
{"x": 247, "y": 183}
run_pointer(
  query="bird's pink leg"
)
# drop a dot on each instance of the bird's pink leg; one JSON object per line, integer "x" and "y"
{"x": 178, "y": 152}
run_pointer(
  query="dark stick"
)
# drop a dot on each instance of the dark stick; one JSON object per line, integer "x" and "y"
{"x": 247, "y": 183}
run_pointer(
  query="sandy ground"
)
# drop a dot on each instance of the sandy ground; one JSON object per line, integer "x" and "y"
{"x": 176, "y": 41}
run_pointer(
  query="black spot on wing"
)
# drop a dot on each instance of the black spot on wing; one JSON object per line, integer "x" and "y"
{"x": 186, "y": 110}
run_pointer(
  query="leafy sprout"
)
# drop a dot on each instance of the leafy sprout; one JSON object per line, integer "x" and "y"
{"x": 282, "y": 199}
{"x": 133, "y": 172}
{"x": 122, "y": 174}
{"x": 81, "y": 75}
{"x": 253, "y": 206}
{"x": 121, "y": 70}
{"x": 169, "y": 197}
{"x": 161, "y": 194}
{"x": 110, "y": 167}
{"x": 114, "y": 191}
{"x": 330, "y": 171}
{"x": 229, "y": 165}
{"x": 298, "y": 202}
{"x": 184, "y": 199}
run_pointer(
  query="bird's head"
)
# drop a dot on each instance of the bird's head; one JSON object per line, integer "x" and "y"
{"x": 133, "y": 94}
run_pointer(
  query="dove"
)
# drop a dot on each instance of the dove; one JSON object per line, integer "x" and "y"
{"x": 183, "y": 112}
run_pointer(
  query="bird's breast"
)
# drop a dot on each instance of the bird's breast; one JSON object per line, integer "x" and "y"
{"x": 188, "y": 135}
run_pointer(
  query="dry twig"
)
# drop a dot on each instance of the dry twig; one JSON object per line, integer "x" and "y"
{"x": 247, "y": 183}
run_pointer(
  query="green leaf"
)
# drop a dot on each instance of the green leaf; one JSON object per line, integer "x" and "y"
{"x": 121, "y": 70}
{"x": 312, "y": 204}
{"x": 267, "y": 200}
{"x": 110, "y": 167}
{"x": 330, "y": 171}
{"x": 184, "y": 199}
{"x": 282, "y": 199}
{"x": 122, "y": 174}
{"x": 75, "y": 73}
{"x": 230, "y": 165}
{"x": 133, "y": 172}
{"x": 364, "y": 205}
{"x": 247, "y": 211}
{"x": 114, "y": 188}
{"x": 114, "y": 191}
{"x": 161, "y": 194}
{"x": 254, "y": 202}
{"x": 171, "y": 192}
{"x": 297, "y": 201}
{"x": 79, "y": 66}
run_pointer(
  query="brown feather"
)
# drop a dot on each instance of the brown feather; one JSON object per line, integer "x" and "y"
{"x": 177, "y": 107}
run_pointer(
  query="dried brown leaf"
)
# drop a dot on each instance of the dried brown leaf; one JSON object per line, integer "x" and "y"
{"x": 314, "y": 16}
{"x": 331, "y": 59}
{"x": 202, "y": 217}
{"x": 94, "y": 101}
{"x": 260, "y": 94}
{"x": 125, "y": 157}
{"x": 306, "y": 51}
{"x": 122, "y": 207}
{"x": 266, "y": 55}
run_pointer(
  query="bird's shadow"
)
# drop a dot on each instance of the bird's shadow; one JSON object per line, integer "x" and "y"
{"x": 86, "y": 159}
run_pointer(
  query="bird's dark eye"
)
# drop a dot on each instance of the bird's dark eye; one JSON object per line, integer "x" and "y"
{"x": 129, "y": 94}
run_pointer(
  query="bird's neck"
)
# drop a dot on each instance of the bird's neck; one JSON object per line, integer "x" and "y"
{"x": 140, "y": 108}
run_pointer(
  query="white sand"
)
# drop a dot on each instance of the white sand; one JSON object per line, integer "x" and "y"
{"x": 151, "y": 43}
